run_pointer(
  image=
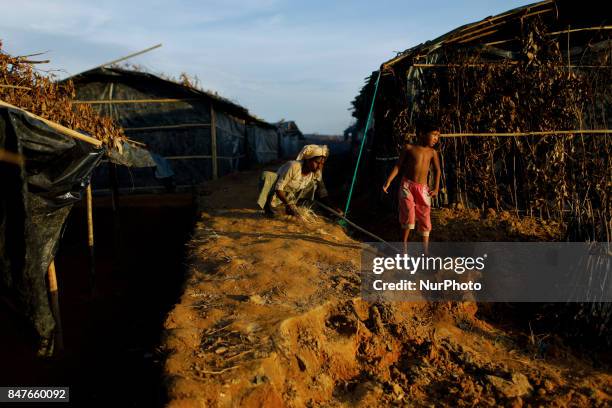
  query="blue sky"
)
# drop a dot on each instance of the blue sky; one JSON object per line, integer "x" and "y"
{"x": 293, "y": 60}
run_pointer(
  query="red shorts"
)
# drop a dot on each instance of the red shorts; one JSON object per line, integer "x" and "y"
{"x": 414, "y": 205}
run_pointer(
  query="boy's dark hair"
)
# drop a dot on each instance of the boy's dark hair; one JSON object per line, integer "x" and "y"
{"x": 425, "y": 126}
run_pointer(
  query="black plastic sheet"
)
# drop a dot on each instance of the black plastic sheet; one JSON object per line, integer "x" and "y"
{"x": 35, "y": 199}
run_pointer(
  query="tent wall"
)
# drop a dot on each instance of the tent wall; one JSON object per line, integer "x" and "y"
{"x": 263, "y": 144}
{"x": 231, "y": 143}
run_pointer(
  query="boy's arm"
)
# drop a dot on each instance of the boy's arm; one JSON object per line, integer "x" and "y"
{"x": 436, "y": 163}
{"x": 395, "y": 170}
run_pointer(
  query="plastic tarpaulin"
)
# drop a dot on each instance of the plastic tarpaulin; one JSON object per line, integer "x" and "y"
{"x": 177, "y": 129}
{"x": 263, "y": 144}
{"x": 35, "y": 199}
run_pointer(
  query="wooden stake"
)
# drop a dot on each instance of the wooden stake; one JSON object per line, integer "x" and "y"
{"x": 53, "y": 290}
{"x": 121, "y": 59}
{"x": 213, "y": 142}
{"x": 166, "y": 127}
{"x": 90, "y": 239}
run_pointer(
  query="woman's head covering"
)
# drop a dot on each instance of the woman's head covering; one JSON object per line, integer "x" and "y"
{"x": 310, "y": 151}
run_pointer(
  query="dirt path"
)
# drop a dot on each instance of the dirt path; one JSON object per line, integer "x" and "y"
{"x": 271, "y": 316}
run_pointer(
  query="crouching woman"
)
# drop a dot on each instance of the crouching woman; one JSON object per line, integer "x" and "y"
{"x": 295, "y": 182}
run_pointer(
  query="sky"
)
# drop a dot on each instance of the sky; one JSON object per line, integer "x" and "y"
{"x": 292, "y": 60}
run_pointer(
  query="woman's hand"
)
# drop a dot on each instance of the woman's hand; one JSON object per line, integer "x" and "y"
{"x": 292, "y": 209}
{"x": 386, "y": 187}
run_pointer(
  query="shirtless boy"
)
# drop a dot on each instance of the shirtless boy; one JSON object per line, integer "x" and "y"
{"x": 414, "y": 194}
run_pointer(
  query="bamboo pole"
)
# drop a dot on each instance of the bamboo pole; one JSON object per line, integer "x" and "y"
{"x": 247, "y": 154}
{"x": 124, "y": 58}
{"x": 25, "y": 61}
{"x": 56, "y": 126}
{"x": 204, "y": 156}
{"x": 504, "y": 15}
{"x": 462, "y": 65}
{"x": 10, "y": 157}
{"x": 213, "y": 142}
{"x": 478, "y": 36}
{"x": 498, "y": 64}
{"x": 123, "y": 101}
{"x": 165, "y": 127}
{"x": 543, "y": 133}
{"x": 134, "y": 142}
{"x": 16, "y": 87}
{"x": 474, "y": 32}
{"x": 90, "y": 239}
{"x": 54, "y": 294}
{"x": 575, "y": 30}
{"x": 114, "y": 184}
{"x": 556, "y": 32}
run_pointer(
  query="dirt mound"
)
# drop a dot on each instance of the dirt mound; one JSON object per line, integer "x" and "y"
{"x": 271, "y": 316}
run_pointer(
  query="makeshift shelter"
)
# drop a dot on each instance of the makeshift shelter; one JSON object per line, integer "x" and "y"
{"x": 524, "y": 104}
{"x": 523, "y": 100}
{"x": 195, "y": 135}
{"x": 37, "y": 194}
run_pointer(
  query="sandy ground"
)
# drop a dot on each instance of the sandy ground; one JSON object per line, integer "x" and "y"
{"x": 271, "y": 316}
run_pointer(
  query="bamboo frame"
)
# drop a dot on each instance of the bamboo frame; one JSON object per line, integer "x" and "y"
{"x": 521, "y": 134}
{"x": 490, "y": 19}
{"x": 556, "y": 33}
{"x": 164, "y": 127}
{"x": 460, "y": 65}
{"x": 119, "y": 101}
{"x": 90, "y": 238}
{"x": 468, "y": 34}
{"x": 203, "y": 156}
{"x": 24, "y": 61}
{"x": 574, "y": 30}
{"x": 56, "y": 126}
{"x": 127, "y": 57}
{"x": 27, "y": 88}
{"x": 10, "y": 157}
{"x": 119, "y": 59}
{"x": 134, "y": 142}
{"x": 474, "y": 28}
{"x": 478, "y": 36}
{"x": 213, "y": 142}
{"x": 498, "y": 64}
{"x": 55, "y": 308}
{"x": 543, "y": 133}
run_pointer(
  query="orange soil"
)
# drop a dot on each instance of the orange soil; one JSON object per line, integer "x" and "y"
{"x": 271, "y": 317}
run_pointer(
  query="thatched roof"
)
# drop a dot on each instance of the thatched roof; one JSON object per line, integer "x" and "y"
{"x": 500, "y": 35}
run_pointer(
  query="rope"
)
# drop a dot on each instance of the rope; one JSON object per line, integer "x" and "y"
{"x": 352, "y": 224}
{"x": 363, "y": 139}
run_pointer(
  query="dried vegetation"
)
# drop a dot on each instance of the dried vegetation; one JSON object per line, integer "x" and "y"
{"x": 22, "y": 85}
